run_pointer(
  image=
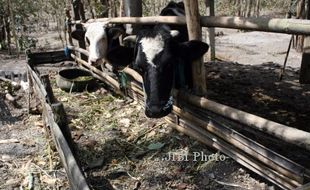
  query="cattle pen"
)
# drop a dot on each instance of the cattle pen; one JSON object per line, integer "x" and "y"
{"x": 194, "y": 115}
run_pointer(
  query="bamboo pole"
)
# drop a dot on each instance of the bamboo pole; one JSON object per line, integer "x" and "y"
{"x": 138, "y": 20}
{"x": 287, "y": 26}
{"x": 190, "y": 129}
{"x": 261, "y": 153}
{"x": 283, "y": 132}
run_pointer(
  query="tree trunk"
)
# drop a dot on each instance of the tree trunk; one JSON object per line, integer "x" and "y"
{"x": 121, "y": 8}
{"x": 211, "y": 30}
{"x": 304, "y": 77}
{"x": 299, "y": 39}
{"x": 132, "y": 9}
{"x": 290, "y": 10}
{"x": 2, "y": 32}
{"x": 239, "y": 7}
{"x": 91, "y": 10}
{"x": 257, "y": 8}
{"x": 76, "y": 6}
{"x": 249, "y": 8}
{"x": 105, "y": 4}
{"x": 12, "y": 18}
{"x": 8, "y": 34}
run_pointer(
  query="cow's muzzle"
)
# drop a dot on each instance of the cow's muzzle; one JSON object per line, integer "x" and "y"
{"x": 159, "y": 110}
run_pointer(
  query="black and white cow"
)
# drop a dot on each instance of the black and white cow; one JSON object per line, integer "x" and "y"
{"x": 160, "y": 52}
{"x": 101, "y": 38}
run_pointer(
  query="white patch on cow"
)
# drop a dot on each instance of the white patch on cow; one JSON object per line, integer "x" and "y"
{"x": 98, "y": 42}
{"x": 151, "y": 47}
{"x": 174, "y": 33}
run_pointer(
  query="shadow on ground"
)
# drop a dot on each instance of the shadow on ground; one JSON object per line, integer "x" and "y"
{"x": 257, "y": 90}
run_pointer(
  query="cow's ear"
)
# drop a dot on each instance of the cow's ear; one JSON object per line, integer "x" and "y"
{"x": 193, "y": 49}
{"x": 115, "y": 32}
{"x": 120, "y": 56}
{"x": 78, "y": 34}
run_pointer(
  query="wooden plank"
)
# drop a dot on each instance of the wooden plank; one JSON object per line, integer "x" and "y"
{"x": 194, "y": 33}
{"x": 76, "y": 178}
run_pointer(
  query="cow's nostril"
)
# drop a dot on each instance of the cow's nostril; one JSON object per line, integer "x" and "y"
{"x": 157, "y": 111}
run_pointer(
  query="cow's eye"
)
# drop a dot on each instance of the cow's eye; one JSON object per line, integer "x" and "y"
{"x": 87, "y": 40}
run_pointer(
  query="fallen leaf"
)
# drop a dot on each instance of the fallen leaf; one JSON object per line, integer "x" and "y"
{"x": 90, "y": 143}
{"x": 48, "y": 180}
{"x": 39, "y": 124}
{"x": 151, "y": 134}
{"x": 125, "y": 122}
{"x": 181, "y": 186}
{"x": 156, "y": 146}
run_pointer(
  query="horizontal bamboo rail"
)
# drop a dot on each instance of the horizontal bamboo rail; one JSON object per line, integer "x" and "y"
{"x": 283, "y": 132}
{"x": 203, "y": 136}
{"x": 288, "y": 26}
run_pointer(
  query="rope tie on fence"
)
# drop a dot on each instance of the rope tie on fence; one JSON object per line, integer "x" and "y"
{"x": 123, "y": 81}
{"x": 67, "y": 51}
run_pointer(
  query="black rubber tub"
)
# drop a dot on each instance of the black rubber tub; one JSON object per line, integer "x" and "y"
{"x": 75, "y": 80}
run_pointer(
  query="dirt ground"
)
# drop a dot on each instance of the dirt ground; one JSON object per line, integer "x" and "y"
{"x": 255, "y": 48}
{"x": 119, "y": 148}
{"x": 26, "y": 157}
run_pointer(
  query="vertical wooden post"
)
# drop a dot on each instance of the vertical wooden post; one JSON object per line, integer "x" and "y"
{"x": 211, "y": 30}
{"x": 133, "y": 9}
{"x": 76, "y": 7}
{"x": 194, "y": 33}
{"x": 304, "y": 77}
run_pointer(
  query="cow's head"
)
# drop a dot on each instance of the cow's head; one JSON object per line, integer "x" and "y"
{"x": 100, "y": 38}
{"x": 157, "y": 52}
